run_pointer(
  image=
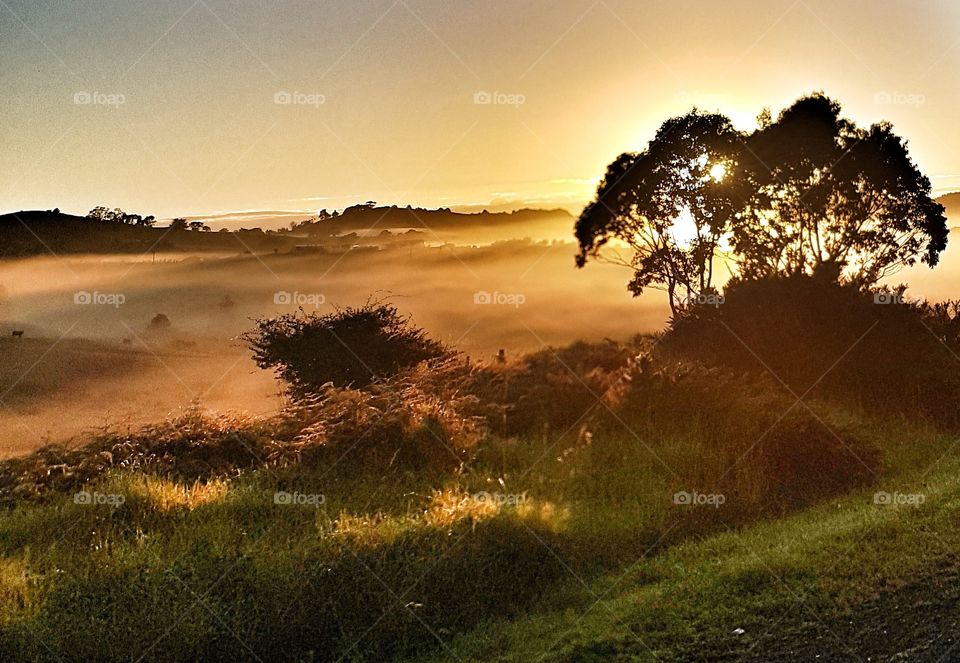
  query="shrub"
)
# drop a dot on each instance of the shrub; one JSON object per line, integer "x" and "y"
{"x": 406, "y": 422}
{"x": 717, "y": 431}
{"x": 159, "y": 323}
{"x": 802, "y": 460}
{"x": 351, "y": 347}
{"x": 551, "y": 390}
{"x": 835, "y": 341}
{"x": 559, "y": 387}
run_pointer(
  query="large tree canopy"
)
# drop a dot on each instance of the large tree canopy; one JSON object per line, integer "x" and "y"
{"x": 829, "y": 195}
{"x": 808, "y": 193}
{"x": 668, "y": 206}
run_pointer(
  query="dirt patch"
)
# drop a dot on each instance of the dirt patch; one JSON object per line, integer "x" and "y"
{"x": 917, "y": 622}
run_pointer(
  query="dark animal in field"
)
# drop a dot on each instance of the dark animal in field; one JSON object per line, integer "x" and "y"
{"x": 18, "y": 333}
{"x": 127, "y": 341}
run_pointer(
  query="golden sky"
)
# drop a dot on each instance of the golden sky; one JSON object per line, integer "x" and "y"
{"x": 210, "y": 106}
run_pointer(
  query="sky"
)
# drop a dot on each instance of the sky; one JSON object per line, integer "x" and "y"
{"x": 214, "y": 107}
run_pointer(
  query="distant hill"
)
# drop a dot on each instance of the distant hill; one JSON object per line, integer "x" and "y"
{"x": 40, "y": 232}
{"x": 32, "y": 232}
{"x": 369, "y": 217}
{"x": 951, "y": 202}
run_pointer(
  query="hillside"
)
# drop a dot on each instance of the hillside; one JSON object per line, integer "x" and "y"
{"x": 951, "y": 203}
{"x": 40, "y": 232}
{"x": 62, "y": 389}
{"x": 368, "y": 217}
{"x": 850, "y": 580}
{"x": 568, "y": 549}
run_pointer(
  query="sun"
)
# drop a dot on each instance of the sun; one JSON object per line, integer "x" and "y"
{"x": 718, "y": 171}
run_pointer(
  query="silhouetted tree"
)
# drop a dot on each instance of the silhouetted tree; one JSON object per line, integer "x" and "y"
{"x": 199, "y": 226}
{"x": 831, "y": 197}
{"x": 809, "y": 193}
{"x": 117, "y": 215}
{"x": 101, "y": 213}
{"x": 178, "y": 224}
{"x": 669, "y": 206}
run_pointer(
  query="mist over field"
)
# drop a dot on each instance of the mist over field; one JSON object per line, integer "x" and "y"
{"x": 98, "y": 364}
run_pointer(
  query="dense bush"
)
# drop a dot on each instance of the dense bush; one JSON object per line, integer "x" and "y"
{"x": 351, "y": 347}
{"x": 834, "y": 341}
{"x": 559, "y": 387}
{"x": 802, "y": 459}
{"x": 711, "y": 430}
{"x": 551, "y": 391}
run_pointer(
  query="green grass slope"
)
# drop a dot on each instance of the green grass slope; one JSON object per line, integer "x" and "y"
{"x": 850, "y": 579}
{"x": 576, "y": 566}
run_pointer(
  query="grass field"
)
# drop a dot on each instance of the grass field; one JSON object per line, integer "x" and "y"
{"x": 66, "y": 389}
{"x": 796, "y": 588}
{"x": 540, "y": 550}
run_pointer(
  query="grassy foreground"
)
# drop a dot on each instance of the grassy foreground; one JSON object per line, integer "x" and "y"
{"x": 742, "y": 594}
{"x": 575, "y": 559}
